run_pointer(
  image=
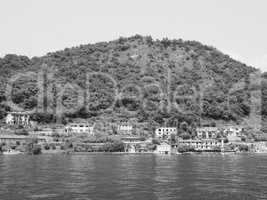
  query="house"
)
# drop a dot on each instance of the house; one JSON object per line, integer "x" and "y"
{"x": 76, "y": 128}
{"x": 165, "y": 132}
{"x": 163, "y": 148}
{"x": 202, "y": 145}
{"x": 233, "y": 130}
{"x": 18, "y": 118}
{"x": 125, "y": 129}
{"x": 207, "y": 132}
{"x": 232, "y": 137}
{"x": 260, "y": 147}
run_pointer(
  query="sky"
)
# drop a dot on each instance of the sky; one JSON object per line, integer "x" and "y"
{"x": 36, "y": 27}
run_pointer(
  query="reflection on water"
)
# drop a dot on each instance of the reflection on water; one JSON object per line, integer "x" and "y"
{"x": 144, "y": 177}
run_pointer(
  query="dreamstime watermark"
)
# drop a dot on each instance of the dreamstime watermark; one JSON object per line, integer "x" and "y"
{"x": 101, "y": 92}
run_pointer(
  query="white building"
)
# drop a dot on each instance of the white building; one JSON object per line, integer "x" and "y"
{"x": 163, "y": 148}
{"x": 75, "y": 128}
{"x": 165, "y": 132}
{"x": 125, "y": 129}
{"x": 207, "y": 132}
{"x": 18, "y": 118}
{"x": 260, "y": 147}
{"x": 232, "y": 130}
{"x": 202, "y": 145}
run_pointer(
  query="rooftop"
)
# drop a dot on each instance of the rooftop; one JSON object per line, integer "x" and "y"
{"x": 19, "y": 113}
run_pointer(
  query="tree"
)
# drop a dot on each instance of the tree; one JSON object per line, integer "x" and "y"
{"x": 155, "y": 141}
{"x": 46, "y": 147}
{"x": 243, "y": 147}
{"x": 32, "y": 146}
{"x": 114, "y": 130}
{"x": 1, "y": 147}
{"x": 36, "y": 150}
{"x": 184, "y": 126}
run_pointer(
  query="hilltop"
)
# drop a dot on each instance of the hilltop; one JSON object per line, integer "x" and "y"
{"x": 150, "y": 75}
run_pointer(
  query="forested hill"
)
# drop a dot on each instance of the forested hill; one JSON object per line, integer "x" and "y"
{"x": 141, "y": 67}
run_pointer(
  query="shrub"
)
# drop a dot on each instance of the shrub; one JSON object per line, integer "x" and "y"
{"x": 36, "y": 150}
{"x": 46, "y": 147}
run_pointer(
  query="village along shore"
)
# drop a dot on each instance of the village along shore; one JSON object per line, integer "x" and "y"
{"x": 18, "y": 134}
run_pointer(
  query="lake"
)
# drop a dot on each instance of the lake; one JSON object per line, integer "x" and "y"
{"x": 142, "y": 177}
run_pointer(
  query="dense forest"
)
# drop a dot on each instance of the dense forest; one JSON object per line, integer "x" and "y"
{"x": 133, "y": 79}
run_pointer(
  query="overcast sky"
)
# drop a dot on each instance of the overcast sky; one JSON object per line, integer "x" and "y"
{"x": 36, "y": 27}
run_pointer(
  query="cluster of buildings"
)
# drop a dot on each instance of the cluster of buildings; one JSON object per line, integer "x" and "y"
{"x": 49, "y": 134}
{"x": 206, "y": 138}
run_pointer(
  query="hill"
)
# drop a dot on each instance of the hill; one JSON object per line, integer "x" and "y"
{"x": 136, "y": 78}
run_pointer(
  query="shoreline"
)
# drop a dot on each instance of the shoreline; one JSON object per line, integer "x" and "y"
{"x": 142, "y": 153}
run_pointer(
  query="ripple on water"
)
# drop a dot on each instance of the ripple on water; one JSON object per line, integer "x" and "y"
{"x": 133, "y": 177}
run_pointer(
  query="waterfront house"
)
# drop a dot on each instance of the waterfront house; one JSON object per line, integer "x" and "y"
{"x": 165, "y": 133}
{"x": 76, "y": 128}
{"x": 202, "y": 145}
{"x": 207, "y": 132}
{"x": 260, "y": 147}
{"x": 163, "y": 148}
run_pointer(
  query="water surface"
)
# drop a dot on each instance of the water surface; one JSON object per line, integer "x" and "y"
{"x": 142, "y": 177}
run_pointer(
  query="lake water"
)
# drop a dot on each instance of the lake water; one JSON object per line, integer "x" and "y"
{"x": 141, "y": 177}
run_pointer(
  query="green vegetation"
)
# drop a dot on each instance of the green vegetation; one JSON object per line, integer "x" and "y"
{"x": 32, "y": 147}
{"x": 1, "y": 147}
{"x": 178, "y": 69}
